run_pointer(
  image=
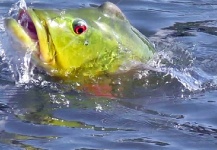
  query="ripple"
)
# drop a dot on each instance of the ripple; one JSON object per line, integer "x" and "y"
{"x": 198, "y": 129}
{"x": 19, "y": 140}
{"x": 145, "y": 140}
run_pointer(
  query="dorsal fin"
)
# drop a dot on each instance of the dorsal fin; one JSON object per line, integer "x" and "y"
{"x": 112, "y": 10}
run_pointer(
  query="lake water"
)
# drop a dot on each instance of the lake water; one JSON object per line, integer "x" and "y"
{"x": 175, "y": 111}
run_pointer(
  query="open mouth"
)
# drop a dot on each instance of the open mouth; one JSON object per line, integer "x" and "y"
{"x": 30, "y": 21}
{"x": 26, "y": 22}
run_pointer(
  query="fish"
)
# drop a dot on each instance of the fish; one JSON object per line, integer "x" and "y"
{"x": 79, "y": 44}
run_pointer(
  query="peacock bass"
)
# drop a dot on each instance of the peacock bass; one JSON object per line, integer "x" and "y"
{"x": 79, "y": 43}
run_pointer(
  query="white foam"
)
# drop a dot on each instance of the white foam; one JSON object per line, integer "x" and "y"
{"x": 22, "y": 4}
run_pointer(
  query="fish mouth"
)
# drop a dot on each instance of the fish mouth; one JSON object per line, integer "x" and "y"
{"x": 36, "y": 29}
{"x": 26, "y": 22}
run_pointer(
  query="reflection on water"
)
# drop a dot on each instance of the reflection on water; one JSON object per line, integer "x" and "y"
{"x": 168, "y": 103}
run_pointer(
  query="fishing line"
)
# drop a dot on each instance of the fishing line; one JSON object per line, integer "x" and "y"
{"x": 119, "y": 2}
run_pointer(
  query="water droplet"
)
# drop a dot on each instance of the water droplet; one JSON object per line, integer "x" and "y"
{"x": 86, "y": 42}
{"x": 22, "y": 4}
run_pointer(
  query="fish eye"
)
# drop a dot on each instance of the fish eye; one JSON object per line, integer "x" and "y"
{"x": 79, "y": 26}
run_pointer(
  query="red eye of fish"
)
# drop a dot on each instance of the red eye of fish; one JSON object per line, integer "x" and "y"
{"x": 79, "y": 26}
{"x": 80, "y": 29}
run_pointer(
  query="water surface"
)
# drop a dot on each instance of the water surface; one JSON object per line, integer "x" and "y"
{"x": 175, "y": 111}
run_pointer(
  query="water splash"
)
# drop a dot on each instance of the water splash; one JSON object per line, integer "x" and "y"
{"x": 25, "y": 71}
{"x": 171, "y": 59}
{"x": 21, "y": 4}
{"x": 2, "y": 29}
{"x": 175, "y": 60}
{"x": 19, "y": 63}
{"x": 16, "y": 64}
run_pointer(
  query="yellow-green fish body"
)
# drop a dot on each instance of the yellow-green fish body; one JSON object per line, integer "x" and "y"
{"x": 80, "y": 43}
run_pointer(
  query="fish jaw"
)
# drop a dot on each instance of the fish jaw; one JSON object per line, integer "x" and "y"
{"x": 30, "y": 32}
{"x": 19, "y": 34}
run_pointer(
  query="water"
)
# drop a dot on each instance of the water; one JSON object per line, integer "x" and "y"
{"x": 175, "y": 109}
